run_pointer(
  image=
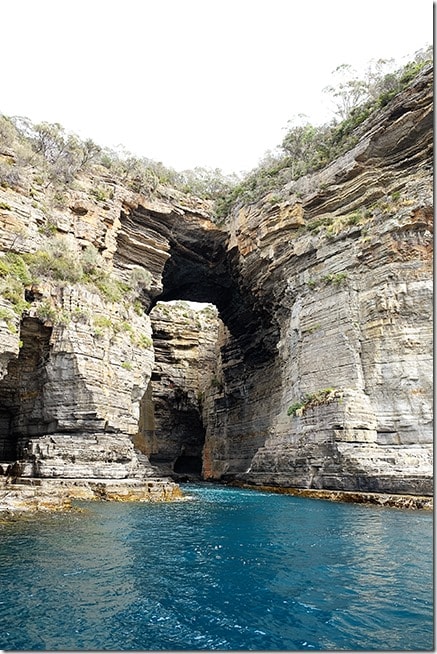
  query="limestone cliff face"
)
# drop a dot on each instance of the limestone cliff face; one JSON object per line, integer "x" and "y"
{"x": 343, "y": 264}
{"x": 76, "y": 365}
{"x": 319, "y": 374}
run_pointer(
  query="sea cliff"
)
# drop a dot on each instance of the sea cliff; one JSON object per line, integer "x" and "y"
{"x": 316, "y": 372}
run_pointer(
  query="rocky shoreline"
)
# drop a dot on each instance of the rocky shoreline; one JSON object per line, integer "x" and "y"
{"x": 398, "y": 501}
{"x": 18, "y": 499}
{"x": 31, "y": 495}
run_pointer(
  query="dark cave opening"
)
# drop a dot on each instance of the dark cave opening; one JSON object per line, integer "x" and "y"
{"x": 8, "y": 442}
{"x": 186, "y": 464}
{"x": 202, "y": 268}
{"x": 22, "y": 412}
{"x": 179, "y": 438}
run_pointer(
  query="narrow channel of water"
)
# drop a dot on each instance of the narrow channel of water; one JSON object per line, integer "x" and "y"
{"x": 230, "y": 569}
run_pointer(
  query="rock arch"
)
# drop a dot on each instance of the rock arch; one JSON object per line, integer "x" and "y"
{"x": 325, "y": 292}
{"x": 319, "y": 292}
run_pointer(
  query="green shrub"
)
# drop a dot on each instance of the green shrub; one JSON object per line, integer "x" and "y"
{"x": 10, "y": 177}
{"x": 6, "y": 314}
{"x": 91, "y": 260}
{"x": 60, "y": 263}
{"x": 80, "y": 315}
{"x": 140, "y": 278}
{"x": 57, "y": 262}
{"x": 143, "y": 341}
{"x": 332, "y": 278}
{"x": 126, "y": 327}
{"x": 101, "y": 194}
{"x": 49, "y": 228}
{"x": 103, "y": 322}
{"x": 335, "y": 278}
{"x": 65, "y": 268}
{"x": 14, "y": 265}
{"x": 317, "y": 223}
{"x": 12, "y": 289}
{"x": 110, "y": 288}
{"x": 313, "y": 399}
{"x": 9, "y": 317}
{"x": 294, "y": 408}
{"x": 354, "y": 218}
{"x": 46, "y": 312}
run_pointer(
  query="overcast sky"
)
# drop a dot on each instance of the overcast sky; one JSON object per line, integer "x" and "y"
{"x": 192, "y": 82}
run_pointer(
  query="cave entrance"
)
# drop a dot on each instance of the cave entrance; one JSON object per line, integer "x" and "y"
{"x": 22, "y": 409}
{"x": 188, "y": 465}
{"x": 204, "y": 264}
{"x": 8, "y": 443}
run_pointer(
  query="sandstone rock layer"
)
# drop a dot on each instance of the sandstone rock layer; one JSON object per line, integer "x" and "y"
{"x": 318, "y": 372}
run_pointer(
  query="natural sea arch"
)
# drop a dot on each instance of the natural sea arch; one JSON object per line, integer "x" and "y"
{"x": 201, "y": 268}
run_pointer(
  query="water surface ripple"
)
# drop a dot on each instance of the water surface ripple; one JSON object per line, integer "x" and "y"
{"x": 230, "y": 569}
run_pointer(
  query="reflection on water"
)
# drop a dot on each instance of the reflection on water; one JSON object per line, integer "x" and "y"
{"x": 231, "y": 569}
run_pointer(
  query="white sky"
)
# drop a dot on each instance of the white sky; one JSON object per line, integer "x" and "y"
{"x": 192, "y": 82}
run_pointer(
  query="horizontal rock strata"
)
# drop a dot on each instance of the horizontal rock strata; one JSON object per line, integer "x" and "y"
{"x": 343, "y": 263}
{"x": 185, "y": 344}
{"x": 59, "y": 495}
{"x": 319, "y": 374}
{"x": 76, "y": 366}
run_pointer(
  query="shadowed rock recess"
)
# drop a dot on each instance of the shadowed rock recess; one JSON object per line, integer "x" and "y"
{"x": 313, "y": 372}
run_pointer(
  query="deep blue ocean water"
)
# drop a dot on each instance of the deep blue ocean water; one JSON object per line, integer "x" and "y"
{"x": 230, "y": 569}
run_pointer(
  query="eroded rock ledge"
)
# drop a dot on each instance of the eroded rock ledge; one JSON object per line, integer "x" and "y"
{"x": 29, "y": 495}
{"x": 380, "y": 499}
{"x": 319, "y": 375}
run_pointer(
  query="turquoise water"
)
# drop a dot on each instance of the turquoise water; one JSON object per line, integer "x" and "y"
{"x": 230, "y": 569}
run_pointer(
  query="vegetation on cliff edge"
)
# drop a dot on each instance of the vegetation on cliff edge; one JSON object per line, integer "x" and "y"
{"x": 306, "y": 147}
{"x": 44, "y": 158}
